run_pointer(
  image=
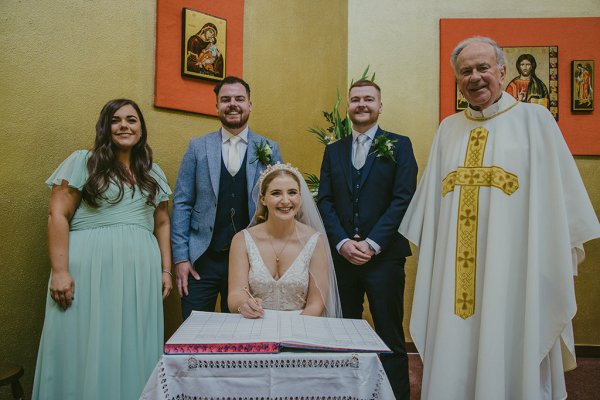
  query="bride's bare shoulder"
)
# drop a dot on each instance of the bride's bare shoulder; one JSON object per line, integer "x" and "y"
{"x": 256, "y": 231}
{"x": 304, "y": 231}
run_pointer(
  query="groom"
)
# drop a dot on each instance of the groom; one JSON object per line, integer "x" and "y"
{"x": 367, "y": 182}
{"x": 213, "y": 198}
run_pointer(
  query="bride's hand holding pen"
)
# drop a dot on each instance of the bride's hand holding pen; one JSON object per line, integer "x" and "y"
{"x": 252, "y": 307}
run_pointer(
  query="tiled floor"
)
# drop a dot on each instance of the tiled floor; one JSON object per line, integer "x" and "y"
{"x": 583, "y": 383}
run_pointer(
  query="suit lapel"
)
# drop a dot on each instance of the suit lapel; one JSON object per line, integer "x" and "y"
{"x": 214, "y": 155}
{"x": 345, "y": 159}
{"x": 251, "y": 162}
{"x": 370, "y": 160}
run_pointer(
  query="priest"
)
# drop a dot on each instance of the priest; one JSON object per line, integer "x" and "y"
{"x": 500, "y": 217}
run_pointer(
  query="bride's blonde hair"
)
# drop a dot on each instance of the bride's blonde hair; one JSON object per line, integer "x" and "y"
{"x": 268, "y": 175}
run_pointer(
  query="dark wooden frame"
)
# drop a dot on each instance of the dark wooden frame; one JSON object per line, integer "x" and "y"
{"x": 586, "y": 66}
{"x": 197, "y": 24}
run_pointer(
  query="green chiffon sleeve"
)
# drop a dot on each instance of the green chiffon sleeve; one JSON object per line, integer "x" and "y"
{"x": 164, "y": 190}
{"x": 73, "y": 170}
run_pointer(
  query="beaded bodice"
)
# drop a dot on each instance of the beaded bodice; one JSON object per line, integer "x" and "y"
{"x": 290, "y": 290}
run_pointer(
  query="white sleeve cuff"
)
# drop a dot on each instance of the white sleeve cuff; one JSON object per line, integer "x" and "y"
{"x": 374, "y": 245}
{"x": 340, "y": 244}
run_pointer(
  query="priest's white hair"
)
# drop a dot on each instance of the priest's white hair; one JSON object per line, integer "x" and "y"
{"x": 500, "y": 59}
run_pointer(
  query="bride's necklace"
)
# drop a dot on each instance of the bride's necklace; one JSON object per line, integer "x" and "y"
{"x": 278, "y": 254}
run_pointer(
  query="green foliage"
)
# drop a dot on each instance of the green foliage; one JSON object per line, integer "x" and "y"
{"x": 365, "y": 75}
{"x": 383, "y": 146}
{"x": 339, "y": 126}
{"x": 312, "y": 181}
{"x": 263, "y": 153}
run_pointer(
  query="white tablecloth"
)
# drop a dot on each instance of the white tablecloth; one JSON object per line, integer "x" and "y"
{"x": 282, "y": 376}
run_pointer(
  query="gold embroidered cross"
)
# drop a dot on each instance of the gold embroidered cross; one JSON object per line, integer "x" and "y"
{"x": 471, "y": 177}
{"x": 465, "y": 302}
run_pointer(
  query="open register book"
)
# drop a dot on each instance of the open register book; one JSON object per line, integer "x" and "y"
{"x": 206, "y": 332}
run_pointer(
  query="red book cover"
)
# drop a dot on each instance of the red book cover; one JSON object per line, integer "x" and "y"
{"x": 263, "y": 347}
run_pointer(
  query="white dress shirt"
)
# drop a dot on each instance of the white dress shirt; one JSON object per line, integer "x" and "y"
{"x": 242, "y": 145}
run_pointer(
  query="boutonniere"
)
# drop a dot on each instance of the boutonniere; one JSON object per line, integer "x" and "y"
{"x": 384, "y": 147}
{"x": 263, "y": 152}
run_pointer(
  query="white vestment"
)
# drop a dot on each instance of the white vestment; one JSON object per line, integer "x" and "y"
{"x": 528, "y": 246}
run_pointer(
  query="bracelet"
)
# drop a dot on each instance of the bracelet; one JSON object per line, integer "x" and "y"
{"x": 166, "y": 271}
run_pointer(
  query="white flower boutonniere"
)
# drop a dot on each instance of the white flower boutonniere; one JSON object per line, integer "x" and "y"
{"x": 384, "y": 147}
{"x": 263, "y": 153}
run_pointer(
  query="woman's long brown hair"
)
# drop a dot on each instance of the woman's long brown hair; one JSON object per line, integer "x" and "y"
{"x": 103, "y": 167}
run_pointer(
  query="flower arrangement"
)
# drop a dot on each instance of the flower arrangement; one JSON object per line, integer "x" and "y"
{"x": 383, "y": 146}
{"x": 263, "y": 153}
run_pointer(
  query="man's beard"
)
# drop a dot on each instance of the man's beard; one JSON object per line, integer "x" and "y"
{"x": 234, "y": 125}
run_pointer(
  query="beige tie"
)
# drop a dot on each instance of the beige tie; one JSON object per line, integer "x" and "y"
{"x": 362, "y": 150}
{"x": 233, "y": 163}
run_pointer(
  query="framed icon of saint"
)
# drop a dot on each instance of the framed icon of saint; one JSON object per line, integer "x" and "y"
{"x": 203, "y": 45}
{"x": 582, "y": 85}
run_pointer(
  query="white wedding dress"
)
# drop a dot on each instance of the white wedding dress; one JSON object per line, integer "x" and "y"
{"x": 289, "y": 291}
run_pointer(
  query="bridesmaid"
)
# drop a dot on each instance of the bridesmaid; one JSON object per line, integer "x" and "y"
{"x": 109, "y": 247}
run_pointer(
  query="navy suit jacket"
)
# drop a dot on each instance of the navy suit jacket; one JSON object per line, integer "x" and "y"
{"x": 385, "y": 192}
{"x": 197, "y": 189}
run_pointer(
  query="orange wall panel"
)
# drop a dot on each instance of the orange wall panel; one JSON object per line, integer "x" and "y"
{"x": 576, "y": 38}
{"x": 189, "y": 94}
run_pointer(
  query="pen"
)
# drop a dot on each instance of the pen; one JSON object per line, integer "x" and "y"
{"x": 249, "y": 294}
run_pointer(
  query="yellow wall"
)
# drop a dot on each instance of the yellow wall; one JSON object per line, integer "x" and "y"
{"x": 400, "y": 39}
{"x": 61, "y": 61}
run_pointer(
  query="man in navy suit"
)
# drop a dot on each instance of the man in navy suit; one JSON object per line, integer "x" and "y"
{"x": 213, "y": 198}
{"x": 367, "y": 182}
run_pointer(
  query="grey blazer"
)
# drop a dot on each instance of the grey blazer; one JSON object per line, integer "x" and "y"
{"x": 197, "y": 188}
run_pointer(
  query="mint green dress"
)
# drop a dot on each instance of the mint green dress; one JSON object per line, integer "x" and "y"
{"x": 107, "y": 343}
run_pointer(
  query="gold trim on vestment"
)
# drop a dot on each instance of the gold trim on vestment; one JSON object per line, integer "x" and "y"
{"x": 471, "y": 177}
{"x": 472, "y": 118}
{"x": 481, "y": 176}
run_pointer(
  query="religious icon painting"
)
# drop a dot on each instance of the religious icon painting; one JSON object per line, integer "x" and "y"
{"x": 203, "y": 45}
{"x": 582, "y": 85}
{"x": 532, "y": 75}
{"x": 461, "y": 102}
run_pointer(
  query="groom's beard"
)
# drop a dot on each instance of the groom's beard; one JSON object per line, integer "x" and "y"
{"x": 243, "y": 118}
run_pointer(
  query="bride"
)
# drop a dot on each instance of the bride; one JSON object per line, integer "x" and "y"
{"x": 283, "y": 261}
